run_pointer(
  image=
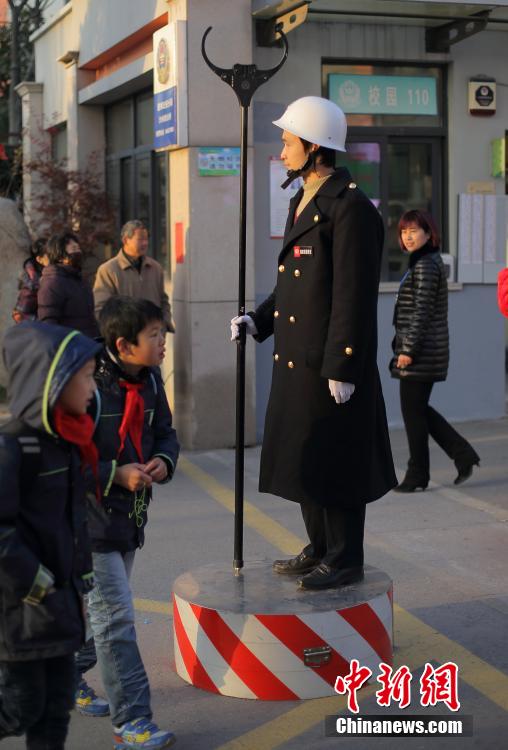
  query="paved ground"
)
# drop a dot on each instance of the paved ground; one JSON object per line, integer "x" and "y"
{"x": 445, "y": 549}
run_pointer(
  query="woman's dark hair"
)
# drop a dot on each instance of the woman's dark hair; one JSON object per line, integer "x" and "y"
{"x": 423, "y": 220}
{"x": 126, "y": 317}
{"x": 57, "y": 244}
{"x": 39, "y": 247}
{"x": 324, "y": 156}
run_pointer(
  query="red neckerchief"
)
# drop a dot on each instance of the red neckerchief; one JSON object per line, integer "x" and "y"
{"x": 133, "y": 417}
{"x": 79, "y": 431}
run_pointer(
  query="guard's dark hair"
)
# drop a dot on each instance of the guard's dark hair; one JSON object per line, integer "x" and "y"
{"x": 423, "y": 220}
{"x": 57, "y": 244}
{"x": 126, "y": 317}
{"x": 323, "y": 155}
{"x": 39, "y": 247}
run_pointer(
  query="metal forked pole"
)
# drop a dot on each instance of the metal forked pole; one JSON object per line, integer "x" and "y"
{"x": 240, "y": 352}
{"x": 244, "y": 80}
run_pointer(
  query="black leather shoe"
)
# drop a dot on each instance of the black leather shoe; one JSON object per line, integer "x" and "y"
{"x": 465, "y": 470}
{"x": 302, "y": 563}
{"x": 326, "y": 577}
{"x": 410, "y": 485}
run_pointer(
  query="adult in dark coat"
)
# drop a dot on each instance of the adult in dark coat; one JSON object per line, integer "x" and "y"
{"x": 64, "y": 297}
{"x": 421, "y": 352}
{"x": 326, "y": 443}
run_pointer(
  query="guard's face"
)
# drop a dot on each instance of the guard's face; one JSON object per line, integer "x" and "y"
{"x": 293, "y": 153}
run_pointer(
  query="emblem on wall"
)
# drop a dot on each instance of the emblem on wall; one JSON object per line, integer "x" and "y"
{"x": 162, "y": 61}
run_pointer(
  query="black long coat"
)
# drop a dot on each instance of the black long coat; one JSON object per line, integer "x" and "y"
{"x": 323, "y": 314}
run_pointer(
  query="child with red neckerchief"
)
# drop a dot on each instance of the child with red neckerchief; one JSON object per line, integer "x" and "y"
{"x": 45, "y": 556}
{"x": 137, "y": 448}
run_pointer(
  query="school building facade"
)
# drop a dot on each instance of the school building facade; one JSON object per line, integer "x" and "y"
{"x": 425, "y": 90}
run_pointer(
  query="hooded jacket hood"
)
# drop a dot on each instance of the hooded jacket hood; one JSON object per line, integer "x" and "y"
{"x": 40, "y": 359}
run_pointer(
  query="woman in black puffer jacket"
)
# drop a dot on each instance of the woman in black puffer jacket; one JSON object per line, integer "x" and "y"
{"x": 421, "y": 352}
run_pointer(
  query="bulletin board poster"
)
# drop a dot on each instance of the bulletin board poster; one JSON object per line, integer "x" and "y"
{"x": 279, "y": 198}
{"x": 218, "y": 162}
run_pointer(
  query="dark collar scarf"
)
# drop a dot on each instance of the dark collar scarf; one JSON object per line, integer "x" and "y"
{"x": 427, "y": 249}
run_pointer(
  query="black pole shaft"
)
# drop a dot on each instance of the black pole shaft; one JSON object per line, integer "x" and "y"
{"x": 240, "y": 352}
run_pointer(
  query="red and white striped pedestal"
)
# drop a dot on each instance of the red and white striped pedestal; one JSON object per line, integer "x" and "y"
{"x": 258, "y": 636}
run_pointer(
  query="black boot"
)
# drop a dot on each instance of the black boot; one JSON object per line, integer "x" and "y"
{"x": 465, "y": 466}
{"x": 411, "y": 484}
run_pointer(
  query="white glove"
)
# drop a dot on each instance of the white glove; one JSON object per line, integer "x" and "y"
{"x": 341, "y": 392}
{"x": 235, "y": 326}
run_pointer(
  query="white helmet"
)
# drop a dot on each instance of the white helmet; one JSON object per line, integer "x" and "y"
{"x": 316, "y": 120}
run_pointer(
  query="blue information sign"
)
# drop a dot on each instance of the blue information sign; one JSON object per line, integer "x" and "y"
{"x": 383, "y": 95}
{"x": 165, "y": 122}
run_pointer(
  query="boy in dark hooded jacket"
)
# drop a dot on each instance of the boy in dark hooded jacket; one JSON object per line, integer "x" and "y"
{"x": 45, "y": 559}
{"x": 138, "y": 447}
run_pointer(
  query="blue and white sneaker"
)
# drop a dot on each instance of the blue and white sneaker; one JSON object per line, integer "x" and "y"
{"x": 88, "y": 703}
{"x": 141, "y": 734}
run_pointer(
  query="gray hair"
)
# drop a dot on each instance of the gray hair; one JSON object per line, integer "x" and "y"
{"x": 128, "y": 229}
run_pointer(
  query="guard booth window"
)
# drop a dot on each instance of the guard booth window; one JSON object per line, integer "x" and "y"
{"x": 396, "y": 143}
{"x": 137, "y": 176}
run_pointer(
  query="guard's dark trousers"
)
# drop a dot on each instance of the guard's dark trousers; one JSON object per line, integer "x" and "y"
{"x": 335, "y": 534}
{"x": 36, "y": 698}
{"x": 420, "y": 421}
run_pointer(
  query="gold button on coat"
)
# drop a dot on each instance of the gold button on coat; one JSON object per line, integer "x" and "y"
{"x": 292, "y": 319}
{"x": 276, "y": 357}
{"x": 348, "y": 351}
{"x": 276, "y": 314}
{"x": 316, "y": 217}
{"x": 291, "y": 365}
{"x": 297, "y": 273}
{"x": 281, "y": 268}
{"x": 352, "y": 185}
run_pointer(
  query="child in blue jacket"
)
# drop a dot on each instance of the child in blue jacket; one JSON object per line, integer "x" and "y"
{"x": 137, "y": 447}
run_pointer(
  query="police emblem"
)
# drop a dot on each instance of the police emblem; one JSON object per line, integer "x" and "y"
{"x": 162, "y": 61}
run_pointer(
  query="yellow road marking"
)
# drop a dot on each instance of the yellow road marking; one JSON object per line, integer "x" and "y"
{"x": 421, "y": 643}
{"x": 151, "y": 605}
{"x": 273, "y": 532}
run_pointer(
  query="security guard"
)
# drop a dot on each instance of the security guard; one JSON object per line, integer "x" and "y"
{"x": 326, "y": 443}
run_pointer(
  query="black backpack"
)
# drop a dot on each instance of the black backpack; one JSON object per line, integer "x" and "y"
{"x": 29, "y": 443}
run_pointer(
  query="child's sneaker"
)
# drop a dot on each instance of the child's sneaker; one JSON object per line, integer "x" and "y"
{"x": 141, "y": 734}
{"x": 88, "y": 703}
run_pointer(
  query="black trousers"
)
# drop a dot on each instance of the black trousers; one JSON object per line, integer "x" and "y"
{"x": 335, "y": 534}
{"x": 36, "y": 698}
{"x": 420, "y": 421}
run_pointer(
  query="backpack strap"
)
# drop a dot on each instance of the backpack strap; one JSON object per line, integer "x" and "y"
{"x": 30, "y": 446}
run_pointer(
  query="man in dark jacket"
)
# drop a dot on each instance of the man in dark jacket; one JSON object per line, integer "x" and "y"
{"x": 45, "y": 560}
{"x": 64, "y": 297}
{"x": 137, "y": 446}
{"x": 326, "y": 443}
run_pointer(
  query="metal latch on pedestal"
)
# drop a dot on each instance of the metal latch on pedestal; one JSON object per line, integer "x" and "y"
{"x": 317, "y": 657}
